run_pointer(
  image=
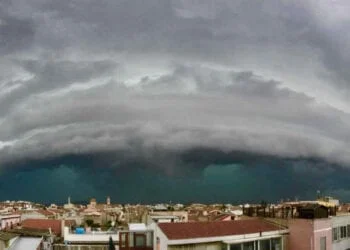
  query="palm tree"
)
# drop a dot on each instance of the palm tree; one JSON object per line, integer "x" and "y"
{"x": 111, "y": 244}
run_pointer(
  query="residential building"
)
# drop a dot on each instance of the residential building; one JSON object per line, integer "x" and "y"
{"x": 167, "y": 216}
{"x": 310, "y": 234}
{"x": 251, "y": 234}
{"x": 80, "y": 237}
{"x": 309, "y": 222}
{"x": 230, "y": 235}
{"x": 9, "y": 221}
{"x": 137, "y": 237}
{"x": 55, "y": 227}
{"x": 37, "y": 214}
{"x": 28, "y": 243}
{"x": 340, "y": 232}
{"x": 29, "y": 236}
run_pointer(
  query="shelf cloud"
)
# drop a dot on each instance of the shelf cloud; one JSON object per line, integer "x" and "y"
{"x": 153, "y": 81}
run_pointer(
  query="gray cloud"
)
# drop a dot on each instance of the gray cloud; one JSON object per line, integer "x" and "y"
{"x": 15, "y": 33}
{"x": 257, "y": 76}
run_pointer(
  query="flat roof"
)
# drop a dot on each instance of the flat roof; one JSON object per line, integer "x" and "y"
{"x": 27, "y": 243}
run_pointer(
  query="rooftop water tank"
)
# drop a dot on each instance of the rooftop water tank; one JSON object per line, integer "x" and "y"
{"x": 80, "y": 230}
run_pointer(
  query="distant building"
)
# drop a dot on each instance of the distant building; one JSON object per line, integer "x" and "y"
{"x": 167, "y": 216}
{"x": 92, "y": 204}
{"x": 54, "y": 227}
{"x": 37, "y": 214}
{"x": 9, "y": 221}
{"x": 69, "y": 205}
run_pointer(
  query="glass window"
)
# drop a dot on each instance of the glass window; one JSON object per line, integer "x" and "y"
{"x": 140, "y": 240}
{"x": 348, "y": 231}
{"x": 276, "y": 244}
{"x": 264, "y": 245}
{"x": 335, "y": 234}
{"x": 343, "y": 232}
{"x": 248, "y": 245}
{"x": 235, "y": 247}
{"x": 323, "y": 243}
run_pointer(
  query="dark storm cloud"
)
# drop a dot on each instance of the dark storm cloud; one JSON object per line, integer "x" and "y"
{"x": 211, "y": 175}
{"x": 191, "y": 107}
{"x": 16, "y": 34}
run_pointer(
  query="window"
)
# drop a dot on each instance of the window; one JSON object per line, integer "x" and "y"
{"x": 276, "y": 244}
{"x": 248, "y": 246}
{"x": 265, "y": 245}
{"x": 140, "y": 240}
{"x": 348, "y": 230}
{"x": 343, "y": 232}
{"x": 235, "y": 247}
{"x": 323, "y": 241}
{"x": 335, "y": 234}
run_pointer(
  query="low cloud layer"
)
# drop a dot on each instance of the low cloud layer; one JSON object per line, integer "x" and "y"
{"x": 156, "y": 79}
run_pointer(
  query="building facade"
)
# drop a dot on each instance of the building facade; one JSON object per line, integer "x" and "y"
{"x": 253, "y": 234}
{"x": 310, "y": 234}
{"x": 9, "y": 221}
{"x": 341, "y": 232}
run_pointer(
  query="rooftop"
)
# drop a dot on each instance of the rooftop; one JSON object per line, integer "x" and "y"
{"x": 4, "y": 236}
{"x": 26, "y": 243}
{"x": 55, "y": 225}
{"x": 176, "y": 231}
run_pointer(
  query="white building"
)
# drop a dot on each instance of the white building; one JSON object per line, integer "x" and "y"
{"x": 87, "y": 238}
{"x": 9, "y": 221}
{"x": 252, "y": 234}
{"x": 167, "y": 217}
{"x": 341, "y": 232}
{"x": 230, "y": 235}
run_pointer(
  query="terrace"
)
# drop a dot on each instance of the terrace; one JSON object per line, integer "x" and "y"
{"x": 96, "y": 237}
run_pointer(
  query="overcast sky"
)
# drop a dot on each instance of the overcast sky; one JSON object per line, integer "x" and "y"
{"x": 158, "y": 78}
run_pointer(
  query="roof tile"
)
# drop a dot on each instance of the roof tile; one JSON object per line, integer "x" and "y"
{"x": 188, "y": 230}
{"x": 55, "y": 225}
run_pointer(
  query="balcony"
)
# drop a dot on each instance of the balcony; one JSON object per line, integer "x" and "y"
{"x": 136, "y": 240}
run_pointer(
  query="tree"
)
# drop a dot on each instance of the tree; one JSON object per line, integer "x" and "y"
{"x": 89, "y": 222}
{"x": 111, "y": 244}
